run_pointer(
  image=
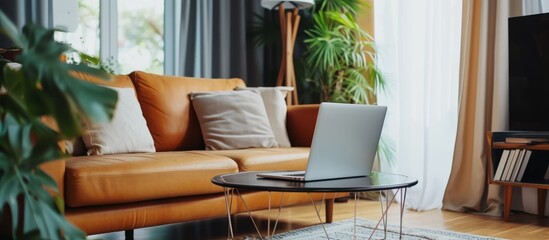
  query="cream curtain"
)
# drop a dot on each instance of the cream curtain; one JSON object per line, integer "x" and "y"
{"x": 482, "y": 103}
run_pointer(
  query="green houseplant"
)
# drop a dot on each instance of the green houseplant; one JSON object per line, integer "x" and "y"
{"x": 342, "y": 58}
{"x": 341, "y": 54}
{"x": 42, "y": 87}
{"x": 339, "y": 59}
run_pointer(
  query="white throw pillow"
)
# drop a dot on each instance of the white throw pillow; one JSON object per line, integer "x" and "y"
{"x": 126, "y": 133}
{"x": 233, "y": 120}
{"x": 273, "y": 99}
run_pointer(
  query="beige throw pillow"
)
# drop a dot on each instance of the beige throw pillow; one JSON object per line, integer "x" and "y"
{"x": 233, "y": 120}
{"x": 273, "y": 99}
{"x": 126, "y": 133}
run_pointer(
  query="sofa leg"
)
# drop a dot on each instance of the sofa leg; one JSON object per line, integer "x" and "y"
{"x": 129, "y": 234}
{"x": 329, "y": 210}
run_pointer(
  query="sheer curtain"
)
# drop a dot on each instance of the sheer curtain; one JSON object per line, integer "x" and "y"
{"x": 418, "y": 45}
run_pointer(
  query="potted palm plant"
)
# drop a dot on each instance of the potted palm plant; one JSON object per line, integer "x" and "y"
{"x": 341, "y": 54}
{"x": 40, "y": 87}
{"x": 342, "y": 59}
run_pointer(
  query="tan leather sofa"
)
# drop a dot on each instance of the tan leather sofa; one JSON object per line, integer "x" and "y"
{"x": 128, "y": 191}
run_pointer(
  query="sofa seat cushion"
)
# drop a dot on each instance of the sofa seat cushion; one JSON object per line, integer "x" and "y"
{"x": 267, "y": 159}
{"x": 123, "y": 178}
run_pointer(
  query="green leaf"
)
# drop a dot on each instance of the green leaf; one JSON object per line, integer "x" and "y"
{"x": 9, "y": 190}
{"x": 41, "y": 40}
{"x": 89, "y": 59}
{"x": 18, "y": 138}
{"x": 37, "y": 188}
{"x": 45, "y": 179}
{"x": 45, "y": 150}
{"x": 15, "y": 82}
{"x": 351, "y": 6}
{"x": 60, "y": 203}
{"x": 345, "y": 19}
{"x": 33, "y": 218}
{"x": 386, "y": 151}
{"x": 95, "y": 101}
{"x": 60, "y": 224}
{"x": 64, "y": 113}
{"x": 8, "y": 29}
{"x": 43, "y": 86}
{"x": 25, "y": 93}
{"x": 41, "y": 212}
{"x": 51, "y": 225}
{"x": 4, "y": 162}
{"x": 16, "y": 109}
{"x": 3, "y": 63}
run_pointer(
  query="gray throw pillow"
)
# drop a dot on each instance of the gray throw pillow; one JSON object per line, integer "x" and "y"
{"x": 233, "y": 120}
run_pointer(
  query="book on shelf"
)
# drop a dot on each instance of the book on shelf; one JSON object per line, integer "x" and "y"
{"x": 501, "y": 165}
{"x": 508, "y": 167}
{"x": 517, "y": 165}
{"x": 527, "y": 140}
{"x": 523, "y": 165}
{"x": 511, "y": 165}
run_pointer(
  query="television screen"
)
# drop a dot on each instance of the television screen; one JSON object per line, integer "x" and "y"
{"x": 529, "y": 73}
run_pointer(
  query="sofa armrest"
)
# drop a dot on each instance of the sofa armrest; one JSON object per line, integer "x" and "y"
{"x": 300, "y": 124}
{"x": 56, "y": 170}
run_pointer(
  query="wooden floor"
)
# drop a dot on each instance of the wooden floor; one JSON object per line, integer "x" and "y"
{"x": 521, "y": 226}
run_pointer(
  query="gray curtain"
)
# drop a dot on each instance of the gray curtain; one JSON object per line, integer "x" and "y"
{"x": 208, "y": 38}
{"x": 25, "y": 11}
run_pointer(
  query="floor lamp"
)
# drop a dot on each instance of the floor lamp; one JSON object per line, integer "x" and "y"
{"x": 289, "y": 23}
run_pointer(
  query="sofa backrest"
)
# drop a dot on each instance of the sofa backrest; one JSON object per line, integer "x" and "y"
{"x": 167, "y": 107}
{"x": 122, "y": 81}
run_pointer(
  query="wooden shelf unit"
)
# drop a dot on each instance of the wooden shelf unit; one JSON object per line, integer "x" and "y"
{"x": 496, "y": 142}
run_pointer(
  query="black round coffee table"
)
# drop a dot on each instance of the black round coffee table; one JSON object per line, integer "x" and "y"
{"x": 376, "y": 181}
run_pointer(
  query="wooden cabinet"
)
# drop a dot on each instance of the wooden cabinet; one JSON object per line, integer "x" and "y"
{"x": 540, "y": 152}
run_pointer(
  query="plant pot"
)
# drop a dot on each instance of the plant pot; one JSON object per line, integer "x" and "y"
{"x": 10, "y": 54}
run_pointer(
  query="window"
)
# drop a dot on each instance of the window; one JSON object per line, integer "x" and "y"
{"x": 86, "y": 36}
{"x": 140, "y": 35}
{"x": 126, "y": 34}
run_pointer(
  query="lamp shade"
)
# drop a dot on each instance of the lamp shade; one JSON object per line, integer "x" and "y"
{"x": 301, "y": 4}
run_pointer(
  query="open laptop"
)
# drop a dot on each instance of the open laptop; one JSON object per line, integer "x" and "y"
{"x": 344, "y": 143}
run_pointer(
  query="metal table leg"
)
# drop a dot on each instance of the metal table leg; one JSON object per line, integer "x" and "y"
{"x": 385, "y": 210}
{"x": 249, "y": 214}
{"x": 229, "y": 193}
{"x": 228, "y": 205}
{"x": 384, "y": 202}
{"x": 402, "y": 205}
{"x": 317, "y": 210}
